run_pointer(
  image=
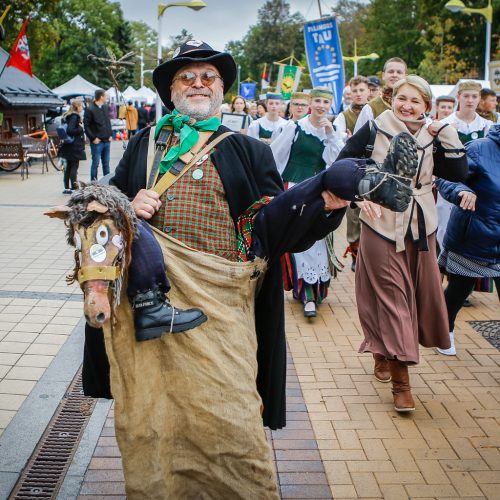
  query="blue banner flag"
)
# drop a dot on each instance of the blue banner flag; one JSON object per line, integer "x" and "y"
{"x": 247, "y": 90}
{"x": 324, "y": 57}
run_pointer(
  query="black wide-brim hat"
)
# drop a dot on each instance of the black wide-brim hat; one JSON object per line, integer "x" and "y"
{"x": 193, "y": 51}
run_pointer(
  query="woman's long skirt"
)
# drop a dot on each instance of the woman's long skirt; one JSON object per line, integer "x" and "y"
{"x": 400, "y": 298}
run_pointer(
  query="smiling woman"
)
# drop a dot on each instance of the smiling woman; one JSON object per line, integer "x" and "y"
{"x": 398, "y": 286}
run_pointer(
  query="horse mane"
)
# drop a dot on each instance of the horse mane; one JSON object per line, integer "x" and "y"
{"x": 120, "y": 211}
{"x": 120, "y": 208}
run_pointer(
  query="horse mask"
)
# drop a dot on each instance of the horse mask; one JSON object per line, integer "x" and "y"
{"x": 101, "y": 226}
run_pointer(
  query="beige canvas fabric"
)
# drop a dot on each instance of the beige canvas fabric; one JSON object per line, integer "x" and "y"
{"x": 393, "y": 225}
{"x": 187, "y": 411}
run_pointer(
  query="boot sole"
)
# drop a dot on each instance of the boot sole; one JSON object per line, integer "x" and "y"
{"x": 404, "y": 147}
{"x": 154, "y": 333}
{"x": 404, "y": 410}
{"x": 384, "y": 381}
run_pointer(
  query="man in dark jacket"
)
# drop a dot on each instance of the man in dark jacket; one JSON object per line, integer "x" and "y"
{"x": 98, "y": 129}
{"x": 143, "y": 117}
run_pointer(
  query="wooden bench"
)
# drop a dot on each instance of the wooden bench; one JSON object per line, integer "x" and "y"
{"x": 13, "y": 156}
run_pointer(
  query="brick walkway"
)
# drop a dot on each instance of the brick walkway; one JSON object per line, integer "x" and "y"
{"x": 449, "y": 447}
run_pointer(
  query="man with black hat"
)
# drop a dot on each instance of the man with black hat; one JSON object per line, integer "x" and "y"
{"x": 188, "y": 410}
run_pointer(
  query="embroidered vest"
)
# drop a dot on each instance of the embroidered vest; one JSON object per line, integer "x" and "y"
{"x": 465, "y": 138}
{"x": 264, "y": 133}
{"x": 378, "y": 106}
{"x": 350, "y": 119}
{"x": 490, "y": 115}
{"x": 195, "y": 211}
{"x": 306, "y": 158}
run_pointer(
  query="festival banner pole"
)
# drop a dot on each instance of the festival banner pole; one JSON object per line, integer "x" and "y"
{"x": 324, "y": 57}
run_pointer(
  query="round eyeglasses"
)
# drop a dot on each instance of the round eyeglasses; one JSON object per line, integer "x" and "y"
{"x": 189, "y": 77}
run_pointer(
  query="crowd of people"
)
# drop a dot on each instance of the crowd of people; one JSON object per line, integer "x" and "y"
{"x": 398, "y": 282}
{"x": 253, "y": 215}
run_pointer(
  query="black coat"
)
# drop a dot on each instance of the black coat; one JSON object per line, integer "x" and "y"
{"x": 143, "y": 115}
{"x": 97, "y": 123}
{"x": 75, "y": 150}
{"x": 248, "y": 172}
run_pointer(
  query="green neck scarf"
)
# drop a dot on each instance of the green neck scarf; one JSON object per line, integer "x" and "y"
{"x": 188, "y": 135}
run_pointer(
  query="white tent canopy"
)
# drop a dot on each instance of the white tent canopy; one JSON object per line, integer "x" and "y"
{"x": 130, "y": 94}
{"x": 77, "y": 86}
{"x": 112, "y": 93}
{"x": 439, "y": 90}
{"x": 148, "y": 94}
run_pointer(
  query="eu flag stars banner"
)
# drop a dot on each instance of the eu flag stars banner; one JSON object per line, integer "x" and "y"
{"x": 324, "y": 57}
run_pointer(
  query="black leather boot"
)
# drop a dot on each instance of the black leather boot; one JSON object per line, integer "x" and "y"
{"x": 154, "y": 315}
{"x": 389, "y": 184}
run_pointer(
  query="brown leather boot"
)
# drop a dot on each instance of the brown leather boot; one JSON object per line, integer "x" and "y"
{"x": 381, "y": 368}
{"x": 401, "y": 390}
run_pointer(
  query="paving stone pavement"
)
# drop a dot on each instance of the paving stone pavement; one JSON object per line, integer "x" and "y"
{"x": 347, "y": 442}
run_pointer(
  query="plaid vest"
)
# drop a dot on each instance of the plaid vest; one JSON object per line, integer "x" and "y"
{"x": 195, "y": 211}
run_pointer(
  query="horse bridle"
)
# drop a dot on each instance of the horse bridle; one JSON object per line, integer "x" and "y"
{"x": 105, "y": 273}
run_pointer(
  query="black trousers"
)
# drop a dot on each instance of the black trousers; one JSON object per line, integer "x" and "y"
{"x": 70, "y": 173}
{"x": 458, "y": 289}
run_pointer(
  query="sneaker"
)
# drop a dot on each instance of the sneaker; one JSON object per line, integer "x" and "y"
{"x": 67, "y": 191}
{"x": 154, "y": 316}
{"x": 451, "y": 351}
{"x": 309, "y": 310}
{"x": 390, "y": 185}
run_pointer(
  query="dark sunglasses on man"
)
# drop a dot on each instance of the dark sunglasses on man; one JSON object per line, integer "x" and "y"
{"x": 189, "y": 77}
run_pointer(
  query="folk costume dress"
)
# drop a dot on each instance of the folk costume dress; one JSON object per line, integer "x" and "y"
{"x": 301, "y": 151}
{"x": 263, "y": 128}
{"x": 398, "y": 287}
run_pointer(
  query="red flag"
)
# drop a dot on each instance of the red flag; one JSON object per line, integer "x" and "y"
{"x": 264, "y": 81}
{"x": 20, "y": 53}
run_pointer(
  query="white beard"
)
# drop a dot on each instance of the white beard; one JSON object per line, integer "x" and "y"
{"x": 199, "y": 110}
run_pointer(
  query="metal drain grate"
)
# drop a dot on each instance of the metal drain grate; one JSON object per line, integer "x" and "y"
{"x": 47, "y": 467}
{"x": 490, "y": 330}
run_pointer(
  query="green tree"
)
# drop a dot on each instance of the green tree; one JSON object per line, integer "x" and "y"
{"x": 62, "y": 33}
{"x": 277, "y": 35}
{"x": 145, "y": 38}
{"x": 350, "y": 14}
{"x": 392, "y": 29}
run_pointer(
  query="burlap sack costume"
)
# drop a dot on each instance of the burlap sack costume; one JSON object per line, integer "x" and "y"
{"x": 187, "y": 411}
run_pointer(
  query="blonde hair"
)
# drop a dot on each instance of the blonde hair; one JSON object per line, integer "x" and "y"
{"x": 417, "y": 82}
{"x": 74, "y": 105}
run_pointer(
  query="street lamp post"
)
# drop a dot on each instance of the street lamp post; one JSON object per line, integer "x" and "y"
{"x": 458, "y": 6}
{"x": 355, "y": 58}
{"x": 141, "y": 58}
{"x": 162, "y": 7}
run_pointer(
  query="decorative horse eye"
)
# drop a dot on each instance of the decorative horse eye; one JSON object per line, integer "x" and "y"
{"x": 78, "y": 241}
{"x": 102, "y": 235}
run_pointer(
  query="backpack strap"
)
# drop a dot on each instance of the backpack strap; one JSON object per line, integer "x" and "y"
{"x": 156, "y": 151}
{"x": 175, "y": 173}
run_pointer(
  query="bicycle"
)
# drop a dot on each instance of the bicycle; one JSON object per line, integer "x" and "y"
{"x": 52, "y": 147}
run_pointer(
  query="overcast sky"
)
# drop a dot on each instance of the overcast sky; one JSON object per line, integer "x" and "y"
{"x": 218, "y": 23}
